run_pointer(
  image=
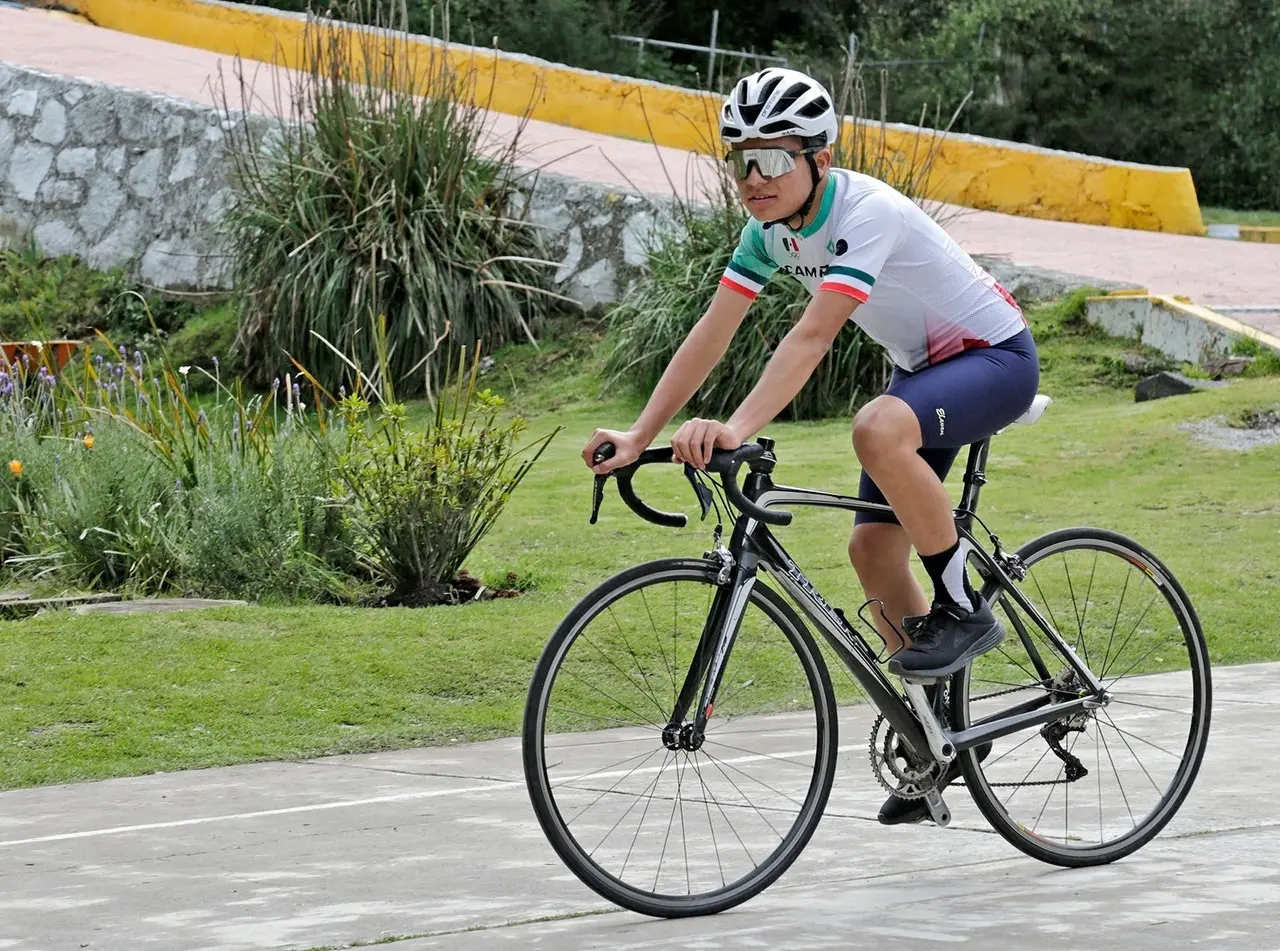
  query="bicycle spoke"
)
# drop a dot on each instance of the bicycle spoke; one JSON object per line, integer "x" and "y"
{"x": 993, "y": 762}
{"x": 1119, "y": 782}
{"x": 717, "y": 763}
{"x": 612, "y": 699}
{"x": 658, "y": 640}
{"x": 583, "y": 811}
{"x": 770, "y": 756}
{"x": 1141, "y": 740}
{"x": 1106, "y": 656}
{"x": 1066, "y": 567}
{"x": 1147, "y": 706}
{"x": 640, "y": 824}
{"x": 1132, "y": 753}
{"x": 1056, "y": 626}
{"x": 729, "y": 822}
{"x": 710, "y": 824}
{"x": 638, "y": 796}
{"x": 1142, "y": 617}
{"x": 1136, "y": 662}
{"x": 648, "y": 688}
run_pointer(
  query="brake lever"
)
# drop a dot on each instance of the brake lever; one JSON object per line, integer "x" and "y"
{"x": 603, "y": 451}
{"x": 704, "y": 495}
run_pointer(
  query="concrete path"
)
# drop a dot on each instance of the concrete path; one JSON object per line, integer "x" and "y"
{"x": 439, "y": 848}
{"x": 1207, "y": 270}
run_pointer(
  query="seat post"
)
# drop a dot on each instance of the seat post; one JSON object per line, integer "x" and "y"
{"x": 975, "y": 477}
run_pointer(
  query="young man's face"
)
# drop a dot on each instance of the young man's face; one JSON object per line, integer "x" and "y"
{"x": 768, "y": 199}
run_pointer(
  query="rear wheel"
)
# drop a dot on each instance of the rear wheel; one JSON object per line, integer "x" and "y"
{"x": 1095, "y": 786}
{"x": 686, "y": 831}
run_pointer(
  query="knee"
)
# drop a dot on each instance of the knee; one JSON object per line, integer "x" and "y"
{"x": 868, "y": 558}
{"x": 885, "y": 425}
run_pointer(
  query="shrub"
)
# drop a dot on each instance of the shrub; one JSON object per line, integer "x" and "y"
{"x": 659, "y": 311}
{"x": 388, "y": 201}
{"x": 42, "y": 298}
{"x": 207, "y": 342}
{"x": 424, "y": 500}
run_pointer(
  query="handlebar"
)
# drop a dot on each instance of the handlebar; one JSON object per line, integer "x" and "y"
{"x": 724, "y": 462}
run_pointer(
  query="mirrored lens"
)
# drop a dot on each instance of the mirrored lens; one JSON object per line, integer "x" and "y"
{"x": 770, "y": 162}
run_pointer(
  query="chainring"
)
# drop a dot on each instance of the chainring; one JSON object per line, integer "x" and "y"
{"x": 892, "y": 769}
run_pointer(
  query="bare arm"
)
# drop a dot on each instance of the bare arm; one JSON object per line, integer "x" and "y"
{"x": 791, "y": 365}
{"x": 690, "y": 366}
{"x": 693, "y": 362}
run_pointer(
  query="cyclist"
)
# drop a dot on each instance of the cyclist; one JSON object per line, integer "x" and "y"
{"x": 965, "y": 364}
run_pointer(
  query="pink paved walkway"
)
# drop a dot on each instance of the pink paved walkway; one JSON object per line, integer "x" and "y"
{"x": 1207, "y": 270}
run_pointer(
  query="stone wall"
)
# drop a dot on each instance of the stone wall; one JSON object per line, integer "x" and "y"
{"x": 116, "y": 176}
{"x": 135, "y": 179}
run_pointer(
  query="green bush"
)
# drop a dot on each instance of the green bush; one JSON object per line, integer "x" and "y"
{"x": 424, "y": 500}
{"x": 207, "y": 342}
{"x": 46, "y": 298}
{"x": 384, "y": 204}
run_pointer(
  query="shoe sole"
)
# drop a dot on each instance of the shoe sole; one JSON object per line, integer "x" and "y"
{"x": 988, "y": 641}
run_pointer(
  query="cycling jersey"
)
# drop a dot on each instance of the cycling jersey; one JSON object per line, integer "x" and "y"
{"x": 921, "y": 296}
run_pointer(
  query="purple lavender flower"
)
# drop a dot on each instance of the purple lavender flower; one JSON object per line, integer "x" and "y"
{"x": 275, "y": 384}
{"x": 215, "y": 362}
{"x": 97, "y": 360}
{"x": 202, "y": 419}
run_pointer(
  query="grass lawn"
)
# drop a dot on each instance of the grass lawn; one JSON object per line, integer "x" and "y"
{"x": 98, "y": 696}
{"x": 1229, "y": 216}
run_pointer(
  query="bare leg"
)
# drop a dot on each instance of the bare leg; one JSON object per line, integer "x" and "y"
{"x": 886, "y": 437}
{"x": 880, "y": 554}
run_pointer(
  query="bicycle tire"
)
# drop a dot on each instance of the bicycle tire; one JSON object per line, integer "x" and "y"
{"x": 574, "y": 855}
{"x": 1077, "y": 539}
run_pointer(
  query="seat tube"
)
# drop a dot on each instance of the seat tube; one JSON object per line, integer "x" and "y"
{"x": 975, "y": 477}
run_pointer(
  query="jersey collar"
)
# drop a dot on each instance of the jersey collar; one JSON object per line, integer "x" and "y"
{"x": 824, "y": 209}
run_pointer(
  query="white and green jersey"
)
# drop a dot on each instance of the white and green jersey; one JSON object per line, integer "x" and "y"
{"x": 920, "y": 295}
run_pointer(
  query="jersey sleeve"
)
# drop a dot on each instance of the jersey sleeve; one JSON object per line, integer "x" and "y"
{"x": 868, "y": 233}
{"x": 750, "y": 267}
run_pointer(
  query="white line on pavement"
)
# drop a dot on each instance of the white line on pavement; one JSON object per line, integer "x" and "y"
{"x": 317, "y": 807}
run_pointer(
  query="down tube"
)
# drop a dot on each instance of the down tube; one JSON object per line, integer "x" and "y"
{"x": 878, "y": 689}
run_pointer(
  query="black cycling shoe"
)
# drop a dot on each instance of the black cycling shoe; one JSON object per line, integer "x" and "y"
{"x": 946, "y": 639}
{"x": 897, "y": 811}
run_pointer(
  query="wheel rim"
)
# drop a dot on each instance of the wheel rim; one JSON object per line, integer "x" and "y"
{"x": 1128, "y": 764}
{"x": 679, "y": 826}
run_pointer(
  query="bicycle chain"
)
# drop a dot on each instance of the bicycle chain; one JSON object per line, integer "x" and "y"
{"x": 875, "y": 767}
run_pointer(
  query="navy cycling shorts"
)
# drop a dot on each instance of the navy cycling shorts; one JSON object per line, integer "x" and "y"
{"x": 960, "y": 401}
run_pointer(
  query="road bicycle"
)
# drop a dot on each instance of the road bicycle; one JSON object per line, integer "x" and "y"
{"x": 681, "y": 729}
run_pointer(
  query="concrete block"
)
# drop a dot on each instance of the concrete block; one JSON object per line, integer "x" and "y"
{"x": 1167, "y": 383}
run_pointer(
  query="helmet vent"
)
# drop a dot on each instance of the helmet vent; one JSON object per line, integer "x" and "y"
{"x": 816, "y": 108}
{"x": 778, "y": 127}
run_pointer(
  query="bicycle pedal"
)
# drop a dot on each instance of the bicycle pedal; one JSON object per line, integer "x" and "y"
{"x": 938, "y": 809}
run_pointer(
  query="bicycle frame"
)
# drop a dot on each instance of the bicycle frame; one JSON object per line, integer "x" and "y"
{"x": 753, "y": 546}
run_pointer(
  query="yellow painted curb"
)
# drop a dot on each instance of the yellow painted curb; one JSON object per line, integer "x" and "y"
{"x": 969, "y": 170}
{"x": 1267, "y": 234}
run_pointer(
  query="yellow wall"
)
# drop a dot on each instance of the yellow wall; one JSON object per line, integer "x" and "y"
{"x": 978, "y": 173}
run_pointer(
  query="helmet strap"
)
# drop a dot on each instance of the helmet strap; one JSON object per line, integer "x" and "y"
{"x": 803, "y": 210}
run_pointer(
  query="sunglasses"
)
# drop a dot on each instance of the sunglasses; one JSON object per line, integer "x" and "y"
{"x": 770, "y": 163}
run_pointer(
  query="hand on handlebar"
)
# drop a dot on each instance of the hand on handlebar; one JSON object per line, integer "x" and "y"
{"x": 627, "y": 448}
{"x": 694, "y": 441}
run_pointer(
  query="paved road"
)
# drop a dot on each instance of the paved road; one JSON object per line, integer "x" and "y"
{"x": 443, "y": 842}
{"x": 1207, "y": 270}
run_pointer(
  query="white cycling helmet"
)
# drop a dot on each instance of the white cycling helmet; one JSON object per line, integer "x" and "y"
{"x": 777, "y": 102}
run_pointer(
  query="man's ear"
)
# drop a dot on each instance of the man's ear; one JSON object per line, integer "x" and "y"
{"x": 823, "y": 159}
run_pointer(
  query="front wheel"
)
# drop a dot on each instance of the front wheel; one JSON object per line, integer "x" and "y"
{"x": 1094, "y": 786}
{"x": 677, "y": 832}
